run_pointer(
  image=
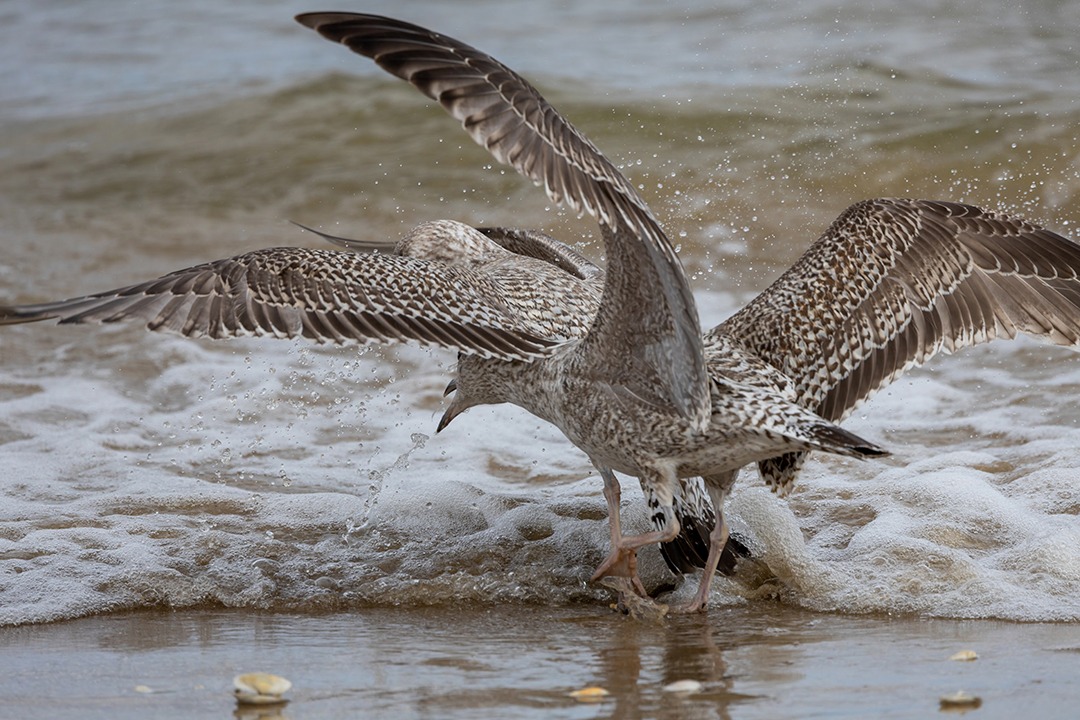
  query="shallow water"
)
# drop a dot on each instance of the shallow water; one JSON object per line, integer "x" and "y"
{"x": 768, "y": 661}
{"x": 143, "y": 470}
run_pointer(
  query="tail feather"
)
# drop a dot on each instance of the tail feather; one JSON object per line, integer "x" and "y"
{"x": 836, "y": 439}
{"x": 689, "y": 550}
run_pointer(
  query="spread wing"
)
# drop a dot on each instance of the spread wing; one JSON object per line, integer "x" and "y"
{"x": 893, "y": 282}
{"x": 646, "y": 335}
{"x": 324, "y": 295}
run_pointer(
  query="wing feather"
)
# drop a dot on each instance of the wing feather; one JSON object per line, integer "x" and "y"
{"x": 323, "y": 295}
{"x": 647, "y": 314}
{"x": 903, "y": 280}
{"x": 893, "y": 282}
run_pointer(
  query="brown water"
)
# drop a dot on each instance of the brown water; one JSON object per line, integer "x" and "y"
{"x": 767, "y": 661}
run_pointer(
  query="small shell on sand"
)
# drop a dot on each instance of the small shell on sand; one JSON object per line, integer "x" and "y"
{"x": 685, "y": 687}
{"x": 960, "y": 700}
{"x": 965, "y": 655}
{"x": 592, "y": 693}
{"x": 260, "y": 688}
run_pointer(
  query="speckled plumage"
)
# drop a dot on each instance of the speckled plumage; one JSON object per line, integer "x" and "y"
{"x": 638, "y": 393}
{"x": 616, "y": 360}
{"x": 447, "y": 285}
{"x": 888, "y": 285}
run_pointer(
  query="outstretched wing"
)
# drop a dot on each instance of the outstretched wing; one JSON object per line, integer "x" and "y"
{"x": 647, "y": 328}
{"x": 324, "y": 295}
{"x": 893, "y": 282}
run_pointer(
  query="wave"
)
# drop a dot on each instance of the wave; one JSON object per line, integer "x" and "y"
{"x": 146, "y": 471}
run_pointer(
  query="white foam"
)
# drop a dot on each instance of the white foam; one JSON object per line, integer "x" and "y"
{"x": 140, "y": 469}
{"x": 954, "y": 533}
{"x": 270, "y": 475}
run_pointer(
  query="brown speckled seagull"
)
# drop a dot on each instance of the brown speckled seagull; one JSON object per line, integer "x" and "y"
{"x": 627, "y": 375}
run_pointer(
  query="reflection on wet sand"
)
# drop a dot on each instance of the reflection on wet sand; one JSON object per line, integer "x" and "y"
{"x": 523, "y": 661}
{"x": 640, "y": 661}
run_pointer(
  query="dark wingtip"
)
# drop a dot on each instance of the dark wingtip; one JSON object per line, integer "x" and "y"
{"x": 314, "y": 19}
{"x": 843, "y": 442}
{"x": 734, "y": 551}
{"x": 17, "y": 315}
{"x": 872, "y": 451}
{"x": 350, "y": 243}
{"x": 688, "y": 552}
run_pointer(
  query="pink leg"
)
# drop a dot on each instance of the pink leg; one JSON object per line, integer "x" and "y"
{"x": 718, "y": 487}
{"x": 622, "y": 561}
{"x": 717, "y": 540}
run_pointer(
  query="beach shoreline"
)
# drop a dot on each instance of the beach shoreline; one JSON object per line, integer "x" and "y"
{"x": 762, "y": 660}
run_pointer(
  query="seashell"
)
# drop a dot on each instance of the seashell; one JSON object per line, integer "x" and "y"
{"x": 960, "y": 699}
{"x": 260, "y": 688}
{"x": 965, "y": 655}
{"x": 684, "y": 686}
{"x": 592, "y": 693}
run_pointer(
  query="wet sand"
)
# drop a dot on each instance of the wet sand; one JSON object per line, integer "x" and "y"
{"x": 760, "y": 661}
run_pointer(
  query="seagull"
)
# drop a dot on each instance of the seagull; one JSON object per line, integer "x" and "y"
{"x": 617, "y": 359}
{"x": 578, "y": 299}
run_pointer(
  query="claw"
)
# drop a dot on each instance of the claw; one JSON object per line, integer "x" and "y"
{"x": 621, "y": 562}
{"x": 694, "y": 606}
